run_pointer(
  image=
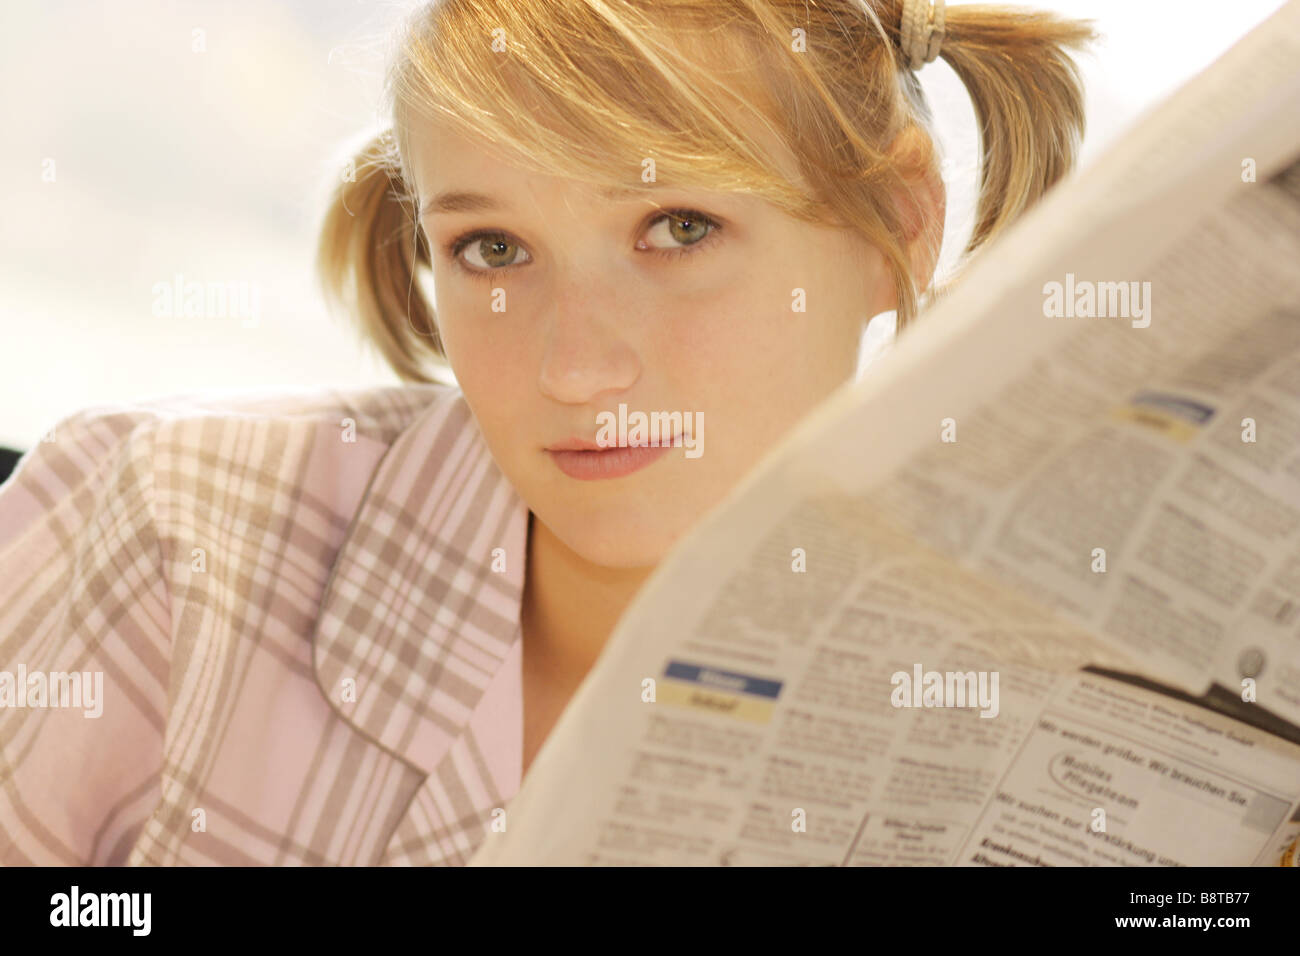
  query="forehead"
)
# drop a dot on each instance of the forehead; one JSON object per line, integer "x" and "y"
{"x": 452, "y": 170}
{"x": 454, "y": 173}
{"x": 458, "y": 173}
{"x": 440, "y": 152}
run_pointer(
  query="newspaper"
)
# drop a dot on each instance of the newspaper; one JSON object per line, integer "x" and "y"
{"x": 1086, "y": 455}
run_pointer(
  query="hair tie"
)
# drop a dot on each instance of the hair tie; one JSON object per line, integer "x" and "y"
{"x": 921, "y": 31}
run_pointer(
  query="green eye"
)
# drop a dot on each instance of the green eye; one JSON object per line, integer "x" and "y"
{"x": 495, "y": 252}
{"x": 684, "y": 227}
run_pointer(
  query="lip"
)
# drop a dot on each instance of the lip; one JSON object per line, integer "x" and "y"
{"x": 575, "y": 444}
{"x": 588, "y": 461}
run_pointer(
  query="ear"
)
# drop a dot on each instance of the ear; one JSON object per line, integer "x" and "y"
{"x": 922, "y": 203}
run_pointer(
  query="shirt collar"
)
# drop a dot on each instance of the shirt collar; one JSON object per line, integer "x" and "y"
{"x": 422, "y": 605}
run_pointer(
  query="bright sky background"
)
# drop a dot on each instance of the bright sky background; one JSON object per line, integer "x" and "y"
{"x": 211, "y": 165}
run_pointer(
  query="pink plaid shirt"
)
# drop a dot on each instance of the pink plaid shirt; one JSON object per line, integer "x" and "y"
{"x": 309, "y": 646}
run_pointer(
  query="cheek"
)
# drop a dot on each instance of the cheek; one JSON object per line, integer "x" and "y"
{"x": 777, "y": 332}
{"x": 488, "y": 359}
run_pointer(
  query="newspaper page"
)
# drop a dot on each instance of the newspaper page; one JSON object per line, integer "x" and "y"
{"x": 772, "y": 736}
{"x": 1147, "y": 487}
{"x": 867, "y": 654}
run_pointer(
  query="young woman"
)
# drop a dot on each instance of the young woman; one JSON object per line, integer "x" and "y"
{"x": 337, "y": 627}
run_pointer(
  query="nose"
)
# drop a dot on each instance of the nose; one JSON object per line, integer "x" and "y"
{"x": 586, "y": 350}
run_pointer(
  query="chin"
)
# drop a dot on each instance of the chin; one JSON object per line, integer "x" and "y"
{"x": 615, "y": 542}
{"x": 623, "y": 524}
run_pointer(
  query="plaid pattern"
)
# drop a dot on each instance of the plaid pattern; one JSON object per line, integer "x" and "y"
{"x": 307, "y": 656}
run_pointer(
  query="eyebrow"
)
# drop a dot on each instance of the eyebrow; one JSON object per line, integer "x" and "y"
{"x": 460, "y": 200}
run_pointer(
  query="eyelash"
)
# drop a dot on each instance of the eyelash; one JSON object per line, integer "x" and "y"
{"x": 453, "y": 249}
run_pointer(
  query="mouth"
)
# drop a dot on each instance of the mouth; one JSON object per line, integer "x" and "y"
{"x": 588, "y": 461}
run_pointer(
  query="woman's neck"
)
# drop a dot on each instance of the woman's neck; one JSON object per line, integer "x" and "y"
{"x": 570, "y": 605}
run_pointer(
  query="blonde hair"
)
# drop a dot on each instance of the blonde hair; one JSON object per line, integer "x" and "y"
{"x": 588, "y": 89}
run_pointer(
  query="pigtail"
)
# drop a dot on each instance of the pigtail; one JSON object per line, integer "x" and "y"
{"x": 1028, "y": 99}
{"x": 368, "y": 257}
